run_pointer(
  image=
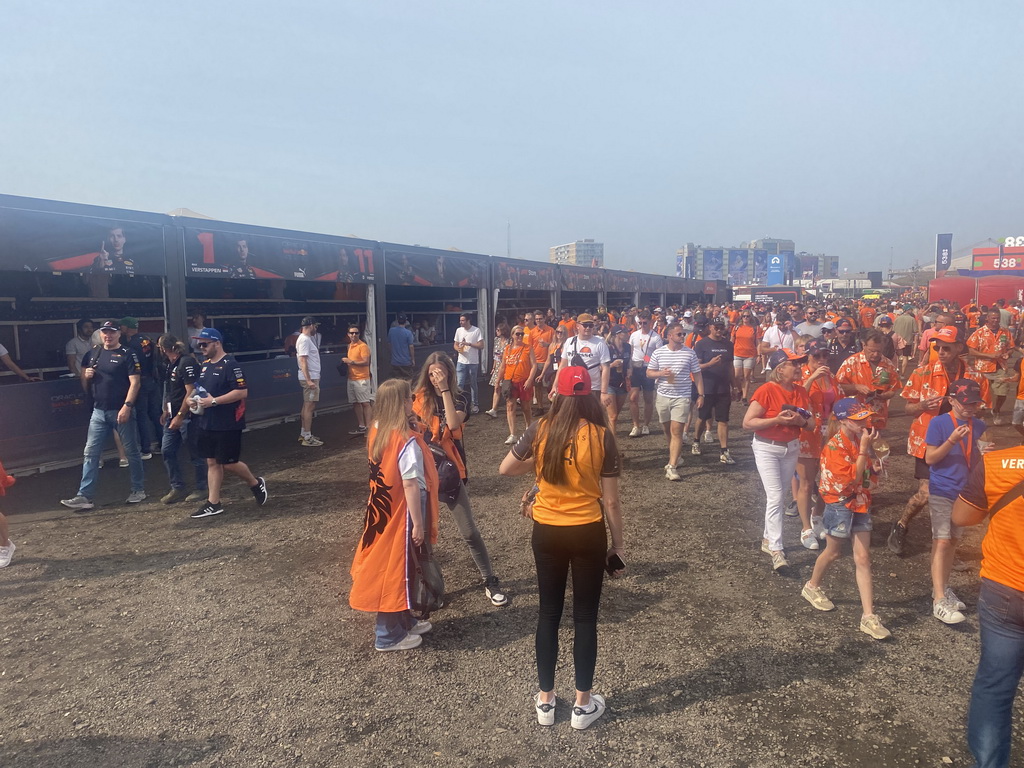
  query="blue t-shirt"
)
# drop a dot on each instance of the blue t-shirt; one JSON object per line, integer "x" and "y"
{"x": 949, "y": 476}
{"x": 400, "y": 338}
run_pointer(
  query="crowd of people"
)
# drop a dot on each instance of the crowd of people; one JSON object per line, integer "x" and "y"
{"x": 819, "y": 424}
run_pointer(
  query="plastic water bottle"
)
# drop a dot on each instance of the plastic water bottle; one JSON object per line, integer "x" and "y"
{"x": 199, "y": 393}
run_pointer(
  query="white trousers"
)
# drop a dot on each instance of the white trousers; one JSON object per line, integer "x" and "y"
{"x": 776, "y": 464}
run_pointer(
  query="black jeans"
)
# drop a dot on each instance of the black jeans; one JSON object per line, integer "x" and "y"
{"x": 555, "y": 547}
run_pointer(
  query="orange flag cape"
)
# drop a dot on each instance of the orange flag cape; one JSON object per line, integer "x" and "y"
{"x": 381, "y": 568}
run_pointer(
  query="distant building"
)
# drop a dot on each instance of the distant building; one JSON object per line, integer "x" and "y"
{"x": 768, "y": 261}
{"x": 582, "y": 253}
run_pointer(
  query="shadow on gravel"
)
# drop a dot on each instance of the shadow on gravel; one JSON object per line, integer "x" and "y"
{"x": 122, "y": 563}
{"x": 106, "y": 751}
{"x": 749, "y": 670}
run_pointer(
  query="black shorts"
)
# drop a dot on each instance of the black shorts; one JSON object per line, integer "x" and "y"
{"x": 717, "y": 404}
{"x": 638, "y": 378}
{"x": 223, "y": 445}
{"x": 907, "y": 351}
{"x": 921, "y": 470}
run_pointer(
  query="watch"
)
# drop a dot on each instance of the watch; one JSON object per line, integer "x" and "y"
{"x": 129, "y": 405}
{"x": 213, "y": 401}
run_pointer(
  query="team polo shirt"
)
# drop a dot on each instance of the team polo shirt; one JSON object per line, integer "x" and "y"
{"x": 949, "y": 476}
{"x": 185, "y": 370}
{"x": 145, "y": 350}
{"x": 218, "y": 379}
{"x": 1002, "y": 548}
{"x": 110, "y": 381}
{"x": 591, "y": 455}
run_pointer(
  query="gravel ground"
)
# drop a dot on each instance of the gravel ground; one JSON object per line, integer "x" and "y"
{"x": 133, "y": 636}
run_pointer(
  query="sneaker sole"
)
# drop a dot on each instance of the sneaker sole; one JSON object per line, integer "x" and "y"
{"x": 78, "y": 507}
{"x": 869, "y": 633}
{"x": 207, "y": 514}
{"x": 951, "y": 621}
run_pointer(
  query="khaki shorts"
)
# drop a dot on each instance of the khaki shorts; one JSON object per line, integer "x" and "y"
{"x": 675, "y": 409}
{"x": 360, "y": 391}
{"x": 310, "y": 394}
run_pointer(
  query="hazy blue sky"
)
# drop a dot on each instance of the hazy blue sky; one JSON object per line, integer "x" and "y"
{"x": 847, "y": 127}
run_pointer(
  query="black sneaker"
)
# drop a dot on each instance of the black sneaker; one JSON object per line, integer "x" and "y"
{"x": 897, "y": 538}
{"x": 209, "y": 509}
{"x": 494, "y": 592}
{"x": 259, "y": 491}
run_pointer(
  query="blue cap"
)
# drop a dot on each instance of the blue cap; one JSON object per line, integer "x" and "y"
{"x": 209, "y": 333}
{"x": 851, "y": 408}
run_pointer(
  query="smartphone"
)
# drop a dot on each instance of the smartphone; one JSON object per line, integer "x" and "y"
{"x": 614, "y": 564}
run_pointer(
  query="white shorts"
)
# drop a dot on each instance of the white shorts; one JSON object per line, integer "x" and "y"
{"x": 747, "y": 363}
{"x": 675, "y": 409}
{"x": 360, "y": 391}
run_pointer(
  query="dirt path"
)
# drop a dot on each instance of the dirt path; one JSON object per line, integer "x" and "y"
{"x": 137, "y": 637}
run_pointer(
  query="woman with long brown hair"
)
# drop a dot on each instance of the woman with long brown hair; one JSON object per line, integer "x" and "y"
{"x": 443, "y": 409}
{"x": 501, "y": 340}
{"x": 517, "y": 366}
{"x": 400, "y": 513}
{"x": 573, "y": 454}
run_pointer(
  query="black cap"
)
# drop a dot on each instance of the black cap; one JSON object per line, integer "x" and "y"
{"x": 719, "y": 321}
{"x": 401, "y": 318}
{"x": 965, "y": 391}
{"x": 308, "y": 321}
{"x": 111, "y": 325}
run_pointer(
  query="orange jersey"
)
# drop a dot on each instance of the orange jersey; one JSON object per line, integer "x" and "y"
{"x": 857, "y": 370}
{"x": 930, "y": 380}
{"x": 745, "y": 339}
{"x": 517, "y": 361}
{"x": 540, "y": 340}
{"x": 360, "y": 352}
{"x": 1002, "y": 548}
{"x": 570, "y": 327}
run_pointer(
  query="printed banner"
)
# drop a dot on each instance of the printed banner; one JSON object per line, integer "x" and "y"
{"x": 760, "y": 266}
{"x": 738, "y": 266}
{"x": 651, "y": 284}
{"x": 436, "y": 268}
{"x": 527, "y": 277}
{"x": 576, "y": 279}
{"x": 620, "y": 282}
{"x": 713, "y": 264}
{"x": 679, "y": 265}
{"x": 35, "y": 241}
{"x": 776, "y": 270}
{"x": 943, "y": 253}
{"x": 246, "y": 256}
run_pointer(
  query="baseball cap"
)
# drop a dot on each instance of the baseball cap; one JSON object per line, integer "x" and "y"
{"x": 719, "y": 321}
{"x": 212, "y": 334}
{"x": 950, "y": 334}
{"x": 851, "y": 408}
{"x": 885, "y": 320}
{"x": 130, "y": 322}
{"x": 401, "y": 318}
{"x": 828, "y": 325}
{"x": 619, "y": 329}
{"x": 816, "y": 347}
{"x": 308, "y": 321}
{"x": 780, "y": 356}
{"x": 585, "y": 318}
{"x": 688, "y": 313}
{"x": 659, "y": 311}
{"x": 965, "y": 391}
{"x": 110, "y": 325}
{"x": 573, "y": 380}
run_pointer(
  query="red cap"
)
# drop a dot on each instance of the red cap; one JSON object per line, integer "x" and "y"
{"x": 573, "y": 380}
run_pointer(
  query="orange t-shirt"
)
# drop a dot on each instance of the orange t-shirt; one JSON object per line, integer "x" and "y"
{"x": 745, "y": 339}
{"x": 540, "y": 340}
{"x": 1002, "y": 548}
{"x": 360, "y": 352}
{"x": 570, "y": 327}
{"x": 772, "y": 397}
{"x": 517, "y": 363}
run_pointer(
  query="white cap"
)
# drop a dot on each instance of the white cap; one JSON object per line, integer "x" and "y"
{"x": 687, "y": 313}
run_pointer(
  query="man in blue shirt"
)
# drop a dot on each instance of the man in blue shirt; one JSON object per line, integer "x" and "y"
{"x": 403, "y": 349}
{"x": 951, "y": 450}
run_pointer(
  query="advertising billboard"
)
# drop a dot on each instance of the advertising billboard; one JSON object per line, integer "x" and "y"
{"x": 760, "y": 266}
{"x": 582, "y": 279}
{"x": 738, "y": 266}
{"x": 431, "y": 269}
{"x": 943, "y": 253}
{"x": 526, "y": 277}
{"x": 713, "y": 264}
{"x": 776, "y": 270}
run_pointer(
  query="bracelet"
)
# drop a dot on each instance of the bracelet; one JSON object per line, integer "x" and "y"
{"x": 445, "y": 391}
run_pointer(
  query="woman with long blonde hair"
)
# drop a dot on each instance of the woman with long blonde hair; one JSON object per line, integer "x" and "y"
{"x": 442, "y": 410}
{"x": 401, "y": 513}
{"x": 517, "y": 367}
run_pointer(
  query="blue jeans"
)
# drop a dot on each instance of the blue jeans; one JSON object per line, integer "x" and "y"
{"x": 470, "y": 374}
{"x": 147, "y": 412}
{"x": 1001, "y": 615}
{"x": 393, "y": 627}
{"x": 101, "y": 425}
{"x": 169, "y": 447}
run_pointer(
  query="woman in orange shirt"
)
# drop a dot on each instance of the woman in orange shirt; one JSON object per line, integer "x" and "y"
{"x": 576, "y": 462}
{"x": 517, "y": 366}
{"x": 746, "y": 336}
{"x": 822, "y": 391}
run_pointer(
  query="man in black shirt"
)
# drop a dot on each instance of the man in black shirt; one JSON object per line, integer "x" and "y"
{"x": 714, "y": 353}
{"x": 147, "y": 409}
{"x": 112, "y": 374}
{"x": 845, "y": 345}
{"x": 221, "y": 392}
{"x": 181, "y": 371}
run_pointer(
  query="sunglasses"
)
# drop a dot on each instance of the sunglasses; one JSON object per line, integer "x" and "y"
{"x": 353, "y": 333}
{"x": 518, "y": 334}
{"x": 846, "y": 331}
{"x": 203, "y": 344}
{"x": 587, "y": 325}
{"x": 944, "y": 348}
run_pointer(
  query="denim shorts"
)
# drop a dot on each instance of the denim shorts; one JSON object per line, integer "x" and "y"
{"x": 1018, "y": 413}
{"x": 840, "y": 521}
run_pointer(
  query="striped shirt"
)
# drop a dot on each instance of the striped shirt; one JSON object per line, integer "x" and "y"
{"x": 682, "y": 362}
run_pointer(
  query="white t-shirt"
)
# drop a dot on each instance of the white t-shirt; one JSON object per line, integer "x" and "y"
{"x": 471, "y": 355}
{"x": 306, "y": 347}
{"x": 773, "y": 337}
{"x": 682, "y": 362}
{"x": 410, "y": 463}
{"x": 3, "y": 350}
{"x": 78, "y": 347}
{"x": 594, "y": 352}
{"x": 644, "y": 344}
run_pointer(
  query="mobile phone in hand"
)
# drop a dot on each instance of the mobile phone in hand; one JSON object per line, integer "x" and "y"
{"x": 614, "y": 564}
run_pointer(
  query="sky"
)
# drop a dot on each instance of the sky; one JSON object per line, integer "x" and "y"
{"x": 856, "y": 129}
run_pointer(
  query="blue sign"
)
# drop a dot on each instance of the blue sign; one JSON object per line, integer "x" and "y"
{"x": 760, "y": 266}
{"x": 776, "y": 269}
{"x": 713, "y": 264}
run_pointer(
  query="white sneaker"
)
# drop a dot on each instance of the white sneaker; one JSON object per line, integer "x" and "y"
{"x": 136, "y": 497}
{"x": 545, "y": 710}
{"x": 695, "y": 449}
{"x": 421, "y": 628}
{"x": 582, "y": 718}
{"x": 945, "y": 610}
{"x": 708, "y": 437}
{"x": 645, "y": 430}
{"x": 672, "y": 473}
{"x": 779, "y": 560}
{"x": 687, "y": 440}
{"x": 791, "y": 510}
{"x": 634, "y": 432}
{"x": 808, "y": 539}
{"x": 818, "y": 527}
{"x": 817, "y": 598}
{"x": 492, "y": 413}
{"x": 510, "y": 440}
{"x": 726, "y": 458}
{"x": 6, "y": 553}
{"x": 77, "y": 502}
{"x": 408, "y": 642}
{"x": 998, "y": 421}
